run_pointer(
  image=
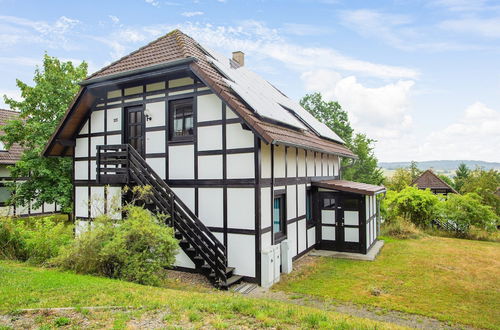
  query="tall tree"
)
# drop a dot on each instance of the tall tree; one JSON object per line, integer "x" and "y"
{"x": 415, "y": 172}
{"x": 41, "y": 109}
{"x": 461, "y": 175}
{"x": 399, "y": 180}
{"x": 329, "y": 113}
{"x": 365, "y": 169}
{"x": 485, "y": 184}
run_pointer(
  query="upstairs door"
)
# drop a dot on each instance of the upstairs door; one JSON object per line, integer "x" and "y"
{"x": 134, "y": 128}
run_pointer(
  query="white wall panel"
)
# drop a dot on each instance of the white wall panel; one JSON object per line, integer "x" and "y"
{"x": 82, "y": 147}
{"x": 237, "y": 137}
{"x": 81, "y": 226}
{"x": 291, "y": 202}
{"x": 210, "y": 167}
{"x": 311, "y": 236}
{"x": 291, "y": 236}
{"x": 211, "y": 206}
{"x": 240, "y": 166}
{"x": 114, "y": 139}
{"x": 114, "y": 200}
{"x": 301, "y": 199}
{"x": 241, "y": 208}
{"x": 265, "y": 167}
{"x": 35, "y": 210}
{"x": 279, "y": 161}
{"x": 156, "y": 112}
{"x": 318, "y": 163}
{"x": 302, "y": 235}
{"x": 81, "y": 202}
{"x": 186, "y": 195}
{"x": 114, "y": 119}
{"x": 291, "y": 162}
{"x": 93, "y": 169}
{"x": 49, "y": 207}
{"x": 182, "y": 260}
{"x": 230, "y": 114}
{"x": 336, "y": 163}
{"x": 94, "y": 142}
{"x": 181, "y": 162}
{"x": 155, "y": 142}
{"x": 81, "y": 170}
{"x": 209, "y": 107}
{"x": 266, "y": 241}
{"x": 301, "y": 159}
{"x": 96, "y": 201}
{"x": 265, "y": 207}
{"x": 85, "y": 128}
{"x": 310, "y": 163}
{"x": 158, "y": 165}
{"x": 324, "y": 164}
{"x": 210, "y": 137}
{"x": 241, "y": 254}
{"x": 97, "y": 121}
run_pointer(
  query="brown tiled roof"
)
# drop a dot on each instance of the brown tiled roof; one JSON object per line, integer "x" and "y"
{"x": 350, "y": 186}
{"x": 430, "y": 180}
{"x": 14, "y": 153}
{"x": 177, "y": 46}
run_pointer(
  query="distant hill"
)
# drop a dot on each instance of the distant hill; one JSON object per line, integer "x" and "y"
{"x": 446, "y": 167}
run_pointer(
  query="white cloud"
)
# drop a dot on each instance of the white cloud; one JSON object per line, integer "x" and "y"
{"x": 114, "y": 19}
{"x": 475, "y": 135}
{"x": 154, "y": 3}
{"x": 55, "y": 35}
{"x": 20, "y": 61}
{"x": 192, "y": 13}
{"x": 381, "y": 112}
{"x": 485, "y": 27}
{"x": 398, "y": 31}
{"x": 305, "y": 29}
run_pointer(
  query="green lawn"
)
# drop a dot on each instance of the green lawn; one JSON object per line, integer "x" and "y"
{"x": 448, "y": 279}
{"x": 22, "y": 287}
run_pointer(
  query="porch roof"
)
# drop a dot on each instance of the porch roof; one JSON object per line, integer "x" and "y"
{"x": 350, "y": 186}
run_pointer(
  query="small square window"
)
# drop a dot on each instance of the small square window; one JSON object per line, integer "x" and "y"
{"x": 279, "y": 218}
{"x": 181, "y": 119}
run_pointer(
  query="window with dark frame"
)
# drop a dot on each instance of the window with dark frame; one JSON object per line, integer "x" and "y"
{"x": 181, "y": 120}
{"x": 279, "y": 218}
{"x": 5, "y": 194}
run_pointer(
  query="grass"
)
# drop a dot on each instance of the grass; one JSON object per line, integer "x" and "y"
{"x": 452, "y": 280}
{"x": 31, "y": 287}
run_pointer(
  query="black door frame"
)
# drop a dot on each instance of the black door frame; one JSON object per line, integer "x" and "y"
{"x": 339, "y": 244}
{"x": 127, "y": 111}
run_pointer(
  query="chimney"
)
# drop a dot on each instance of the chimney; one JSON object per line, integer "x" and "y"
{"x": 239, "y": 57}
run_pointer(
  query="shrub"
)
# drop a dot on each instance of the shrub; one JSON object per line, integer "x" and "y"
{"x": 467, "y": 210}
{"x": 412, "y": 204}
{"x": 35, "y": 240}
{"x": 400, "y": 228}
{"x": 136, "y": 248}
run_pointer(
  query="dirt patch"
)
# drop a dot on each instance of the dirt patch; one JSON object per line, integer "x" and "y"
{"x": 188, "y": 280}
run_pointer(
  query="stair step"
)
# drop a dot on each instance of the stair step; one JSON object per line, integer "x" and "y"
{"x": 190, "y": 249}
{"x": 232, "y": 280}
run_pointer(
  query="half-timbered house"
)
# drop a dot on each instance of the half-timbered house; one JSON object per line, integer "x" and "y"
{"x": 429, "y": 180}
{"x": 9, "y": 157}
{"x": 248, "y": 175}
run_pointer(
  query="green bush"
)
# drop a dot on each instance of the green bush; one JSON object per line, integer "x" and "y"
{"x": 467, "y": 210}
{"x": 135, "y": 249}
{"x": 35, "y": 240}
{"x": 412, "y": 204}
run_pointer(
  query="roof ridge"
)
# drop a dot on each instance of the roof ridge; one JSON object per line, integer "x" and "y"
{"x": 132, "y": 53}
{"x": 179, "y": 38}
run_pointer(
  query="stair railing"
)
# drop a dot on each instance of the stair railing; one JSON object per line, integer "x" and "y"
{"x": 123, "y": 164}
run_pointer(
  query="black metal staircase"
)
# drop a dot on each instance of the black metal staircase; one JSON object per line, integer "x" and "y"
{"x": 122, "y": 164}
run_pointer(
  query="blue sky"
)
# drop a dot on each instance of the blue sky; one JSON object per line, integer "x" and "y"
{"x": 420, "y": 77}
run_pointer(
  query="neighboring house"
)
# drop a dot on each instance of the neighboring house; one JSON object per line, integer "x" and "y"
{"x": 7, "y": 158}
{"x": 429, "y": 180}
{"x": 241, "y": 167}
